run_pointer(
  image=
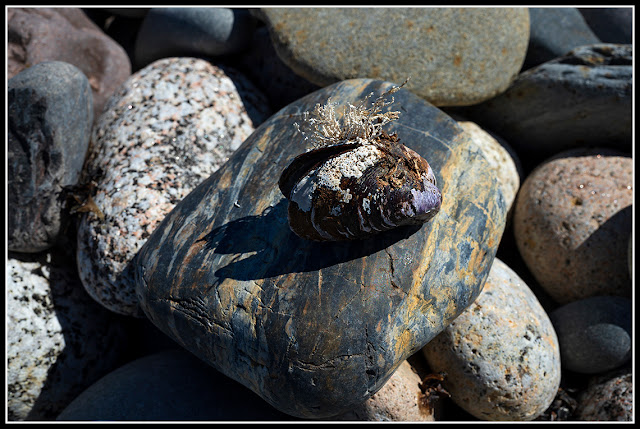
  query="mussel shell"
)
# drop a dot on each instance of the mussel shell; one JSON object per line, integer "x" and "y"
{"x": 398, "y": 189}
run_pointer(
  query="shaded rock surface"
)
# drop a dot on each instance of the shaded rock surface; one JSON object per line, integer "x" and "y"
{"x": 169, "y": 127}
{"x": 501, "y": 355}
{"x": 610, "y": 24}
{"x": 580, "y": 99}
{"x": 572, "y": 221}
{"x": 50, "y": 116}
{"x": 594, "y": 333}
{"x": 454, "y": 56}
{"x": 36, "y": 35}
{"x": 170, "y": 385}
{"x": 197, "y": 31}
{"x": 554, "y": 32}
{"x": 608, "y": 398}
{"x": 316, "y": 328}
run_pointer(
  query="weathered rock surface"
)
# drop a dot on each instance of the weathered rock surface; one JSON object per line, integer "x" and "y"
{"x": 50, "y": 116}
{"x": 316, "y": 328}
{"x": 455, "y": 56}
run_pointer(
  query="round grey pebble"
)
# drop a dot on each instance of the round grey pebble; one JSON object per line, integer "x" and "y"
{"x": 594, "y": 333}
{"x": 50, "y": 116}
{"x": 197, "y": 31}
{"x": 170, "y": 385}
{"x": 500, "y": 356}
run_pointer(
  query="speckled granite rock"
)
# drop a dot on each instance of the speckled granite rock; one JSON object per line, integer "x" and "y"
{"x": 59, "y": 340}
{"x": 397, "y": 401}
{"x": 571, "y": 222}
{"x": 316, "y": 328}
{"x": 198, "y": 31}
{"x": 170, "y": 385}
{"x": 50, "y": 116}
{"x": 66, "y": 34}
{"x": 168, "y": 128}
{"x": 610, "y": 24}
{"x": 554, "y": 32}
{"x": 594, "y": 333}
{"x": 455, "y": 56}
{"x": 608, "y": 398}
{"x": 501, "y": 355}
{"x": 582, "y": 98}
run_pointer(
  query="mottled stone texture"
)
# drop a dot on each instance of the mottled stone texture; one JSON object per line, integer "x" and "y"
{"x": 316, "y": 328}
{"x": 501, "y": 355}
{"x": 608, "y": 397}
{"x": 50, "y": 116}
{"x": 455, "y": 56}
{"x": 571, "y": 222}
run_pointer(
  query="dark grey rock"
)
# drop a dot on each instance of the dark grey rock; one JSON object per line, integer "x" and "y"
{"x": 129, "y": 12}
{"x": 594, "y": 333}
{"x": 554, "y": 32}
{"x": 317, "y": 328}
{"x": 200, "y": 31}
{"x": 277, "y": 81}
{"x": 581, "y": 99}
{"x": 50, "y": 116}
{"x": 611, "y": 24}
{"x": 170, "y": 385}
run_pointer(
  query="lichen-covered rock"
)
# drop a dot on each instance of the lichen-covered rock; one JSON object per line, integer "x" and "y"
{"x": 316, "y": 328}
{"x": 455, "y": 56}
{"x": 501, "y": 355}
{"x": 169, "y": 127}
{"x": 571, "y": 222}
{"x": 50, "y": 116}
{"x": 59, "y": 340}
{"x": 594, "y": 333}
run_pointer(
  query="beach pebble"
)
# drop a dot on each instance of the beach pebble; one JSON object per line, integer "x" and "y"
{"x": 192, "y": 31}
{"x": 399, "y": 400}
{"x": 594, "y": 333}
{"x": 608, "y": 397}
{"x": 454, "y": 56}
{"x": 554, "y": 32}
{"x": 580, "y": 99}
{"x": 168, "y": 128}
{"x": 50, "y": 112}
{"x": 170, "y": 385}
{"x": 572, "y": 220}
{"x": 317, "y": 328}
{"x": 610, "y": 24}
{"x": 66, "y": 34}
{"x": 501, "y": 355}
{"x": 59, "y": 340}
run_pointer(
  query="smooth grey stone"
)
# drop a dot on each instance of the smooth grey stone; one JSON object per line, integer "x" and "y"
{"x": 554, "y": 32}
{"x": 594, "y": 333}
{"x": 200, "y": 31}
{"x": 50, "y": 117}
{"x": 581, "y": 99}
{"x": 171, "y": 385}
{"x": 611, "y": 24}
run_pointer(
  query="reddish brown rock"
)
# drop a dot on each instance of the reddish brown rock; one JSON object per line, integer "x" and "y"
{"x": 572, "y": 221}
{"x": 66, "y": 34}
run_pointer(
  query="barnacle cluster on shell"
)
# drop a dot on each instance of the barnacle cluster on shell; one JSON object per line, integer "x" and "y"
{"x": 358, "y": 180}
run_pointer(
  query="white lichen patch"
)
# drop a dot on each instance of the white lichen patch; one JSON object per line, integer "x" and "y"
{"x": 366, "y": 205}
